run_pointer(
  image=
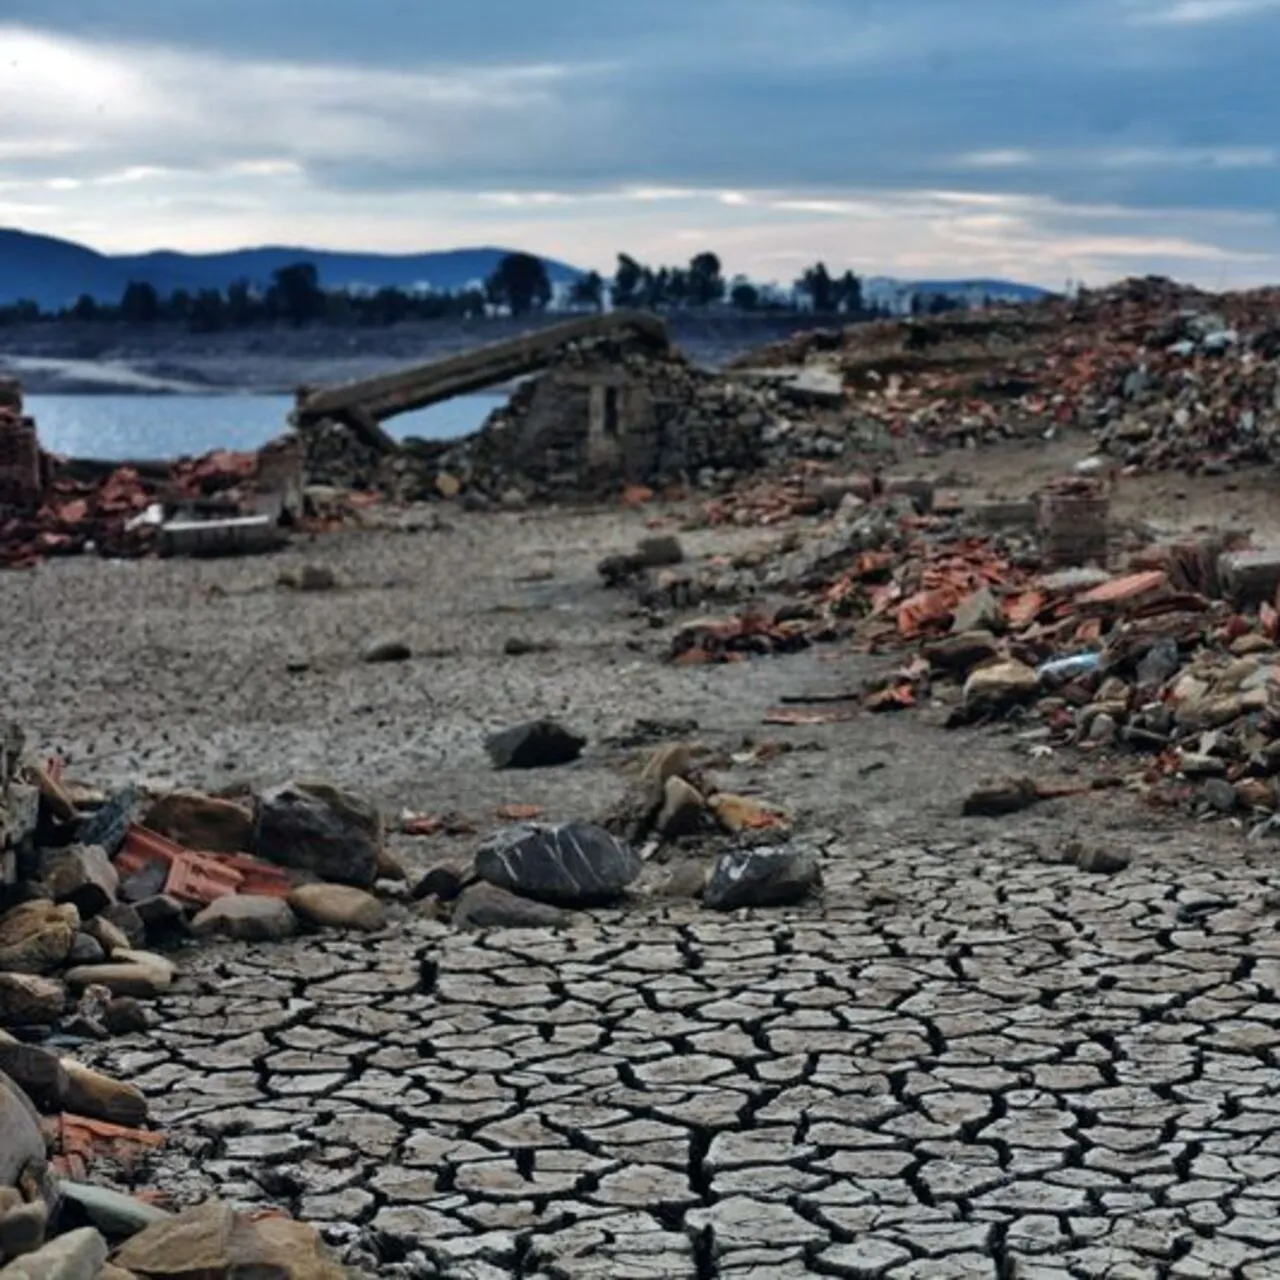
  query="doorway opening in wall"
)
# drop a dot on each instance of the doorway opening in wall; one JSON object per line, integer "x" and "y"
{"x": 611, "y": 412}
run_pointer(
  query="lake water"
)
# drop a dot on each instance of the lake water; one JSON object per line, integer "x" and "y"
{"x": 146, "y": 427}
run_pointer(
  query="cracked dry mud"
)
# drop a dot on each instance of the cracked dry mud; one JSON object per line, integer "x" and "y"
{"x": 1040, "y": 1075}
{"x": 968, "y": 1059}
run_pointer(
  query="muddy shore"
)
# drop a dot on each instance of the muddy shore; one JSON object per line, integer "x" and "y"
{"x": 969, "y": 1058}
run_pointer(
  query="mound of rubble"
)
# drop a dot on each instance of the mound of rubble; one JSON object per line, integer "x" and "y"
{"x": 1160, "y": 659}
{"x": 1163, "y": 375}
{"x": 51, "y": 506}
{"x": 606, "y": 413}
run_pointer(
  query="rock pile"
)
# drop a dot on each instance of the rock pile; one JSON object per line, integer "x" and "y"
{"x": 57, "y": 507}
{"x": 1163, "y": 375}
{"x": 87, "y": 883}
{"x": 90, "y": 882}
{"x": 607, "y": 414}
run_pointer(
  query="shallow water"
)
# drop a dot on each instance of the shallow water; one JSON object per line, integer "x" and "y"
{"x": 141, "y": 427}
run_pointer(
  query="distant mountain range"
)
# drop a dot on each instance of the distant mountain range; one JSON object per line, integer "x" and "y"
{"x": 56, "y": 272}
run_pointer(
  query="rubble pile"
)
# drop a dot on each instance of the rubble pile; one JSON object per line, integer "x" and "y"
{"x": 1163, "y": 375}
{"x": 52, "y": 506}
{"x": 84, "y": 890}
{"x": 671, "y": 423}
{"x": 1176, "y": 657}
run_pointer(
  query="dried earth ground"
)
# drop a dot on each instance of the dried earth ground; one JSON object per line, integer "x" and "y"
{"x": 969, "y": 1059}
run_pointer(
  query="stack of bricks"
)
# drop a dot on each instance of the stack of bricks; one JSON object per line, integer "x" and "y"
{"x": 1074, "y": 523}
{"x": 20, "y": 480}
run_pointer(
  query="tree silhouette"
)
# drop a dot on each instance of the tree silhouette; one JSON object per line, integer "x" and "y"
{"x": 139, "y": 304}
{"x": 588, "y": 291}
{"x": 848, "y": 294}
{"x": 817, "y": 285}
{"x": 295, "y": 294}
{"x": 744, "y": 295}
{"x": 705, "y": 282}
{"x": 627, "y": 281}
{"x": 520, "y": 283}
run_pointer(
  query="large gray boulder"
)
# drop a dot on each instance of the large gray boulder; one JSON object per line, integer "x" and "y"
{"x": 21, "y": 1142}
{"x": 574, "y": 865}
{"x": 314, "y": 827}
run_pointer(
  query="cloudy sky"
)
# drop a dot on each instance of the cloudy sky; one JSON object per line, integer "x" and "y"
{"x": 1038, "y": 139}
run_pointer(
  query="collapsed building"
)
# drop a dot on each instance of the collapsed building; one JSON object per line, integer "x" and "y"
{"x": 614, "y": 404}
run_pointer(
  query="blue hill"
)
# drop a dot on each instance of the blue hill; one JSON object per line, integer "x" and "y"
{"x": 56, "y": 272}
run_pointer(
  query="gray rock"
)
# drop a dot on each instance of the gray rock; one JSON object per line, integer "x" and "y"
{"x": 37, "y": 1072}
{"x": 116, "y": 1215}
{"x": 539, "y": 744}
{"x": 387, "y": 650}
{"x": 82, "y": 874}
{"x": 78, "y": 1255}
{"x": 86, "y": 949}
{"x": 485, "y": 906}
{"x": 1103, "y": 862}
{"x": 27, "y": 1000}
{"x": 128, "y": 921}
{"x": 21, "y": 1142}
{"x": 658, "y": 551}
{"x": 22, "y": 1228}
{"x": 125, "y": 1017}
{"x": 319, "y": 828}
{"x": 247, "y": 918}
{"x": 762, "y": 878}
{"x": 978, "y": 612}
{"x": 1219, "y": 794}
{"x": 576, "y": 864}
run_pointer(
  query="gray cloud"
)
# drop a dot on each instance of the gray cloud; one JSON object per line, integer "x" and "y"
{"x": 1140, "y": 105}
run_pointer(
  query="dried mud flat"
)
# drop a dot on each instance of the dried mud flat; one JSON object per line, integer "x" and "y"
{"x": 970, "y": 1058}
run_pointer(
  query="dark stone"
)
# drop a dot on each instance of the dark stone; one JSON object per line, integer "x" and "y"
{"x": 147, "y": 882}
{"x": 106, "y": 827}
{"x": 82, "y": 874}
{"x": 659, "y": 551}
{"x": 576, "y": 864}
{"x": 540, "y": 744}
{"x": 1102, "y": 862}
{"x": 762, "y": 878}
{"x": 318, "y": 828}
{"x": 37, "y": 1072}
{"x": 486, "y": 906}
{"x": 126, "y": 1016}
{"x": 1219, "y": 794}
{"x": 164, "y": 918}
{"x": 127, "y": 919}
{"x": 444, "y": 882}
{"x": 86, "y": 950}
{"x": 387, "y": 651}
{"x": 1002, "y": 796}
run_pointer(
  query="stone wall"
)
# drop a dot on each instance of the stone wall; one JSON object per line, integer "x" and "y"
{"x": 605, "y": 416}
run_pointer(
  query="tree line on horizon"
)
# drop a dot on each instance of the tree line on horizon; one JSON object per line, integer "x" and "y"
{"x": 518, "y": 286}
